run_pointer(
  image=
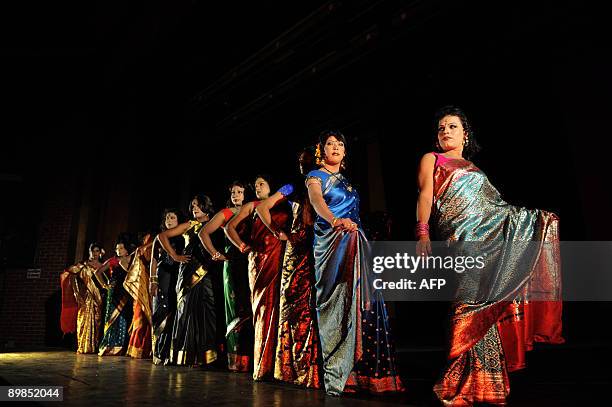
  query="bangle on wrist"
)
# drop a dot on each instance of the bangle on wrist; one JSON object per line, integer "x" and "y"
{"x": 334, "y": 220}
{"x": 153, "y": 279}
{"x": 216, "y": 256}
{"x": 421, "y": 229}
{"x": 242, "y": 247}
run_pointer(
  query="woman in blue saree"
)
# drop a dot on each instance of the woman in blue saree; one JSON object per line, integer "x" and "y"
{"x": 354, "y": 331}
{"x": 118, "y": 316}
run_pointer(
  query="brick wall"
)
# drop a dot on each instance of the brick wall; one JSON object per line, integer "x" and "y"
{"x": 30, "y": 307}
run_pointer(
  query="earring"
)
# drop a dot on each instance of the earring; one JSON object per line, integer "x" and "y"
{"x": 467, "y": 141}
{"x": 318, "y": 159}
{"x": 438, "y": 146}
{"x": 321, "y": 160}
{"x": 342, "y": 165}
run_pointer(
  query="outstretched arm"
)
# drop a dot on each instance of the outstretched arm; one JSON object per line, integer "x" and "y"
{"x": 230, "y": 228}
{"x": 215, "y": 223}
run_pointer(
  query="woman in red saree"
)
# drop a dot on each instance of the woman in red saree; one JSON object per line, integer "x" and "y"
{"x": 137, "y": 285}
{"x": 488, "y": 335}
{"x": 297, "y": 350}
{"x": 265, "y": 261}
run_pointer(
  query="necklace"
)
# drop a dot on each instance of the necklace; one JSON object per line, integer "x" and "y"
{"x": 332, "y": 173}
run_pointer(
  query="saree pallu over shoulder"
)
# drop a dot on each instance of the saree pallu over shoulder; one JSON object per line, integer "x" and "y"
{"x": 238, "y": 313}
{"x": 265, "y": 262}
{"x": 137, "y": 285}
{"x": 356, "y": 340}
{"x": 495, "y": 315}
{"x": 86, "y": 296}
{"x": 118, "y": 316}
{"x": 90, "y": 311}
{"x": 164, "y": 303}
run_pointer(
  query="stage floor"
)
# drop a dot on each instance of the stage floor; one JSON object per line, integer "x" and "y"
{"x": 555, "y": 377}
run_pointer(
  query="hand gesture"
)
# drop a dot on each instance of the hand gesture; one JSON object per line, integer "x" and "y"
{"x": 179, "y": 258}
{"x": 153, "y": 288}
{"x": 423, "y": 246}
{"x": 345, "y": 224}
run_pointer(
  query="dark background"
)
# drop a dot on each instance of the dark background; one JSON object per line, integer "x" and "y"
{"x": 138, "y": 105}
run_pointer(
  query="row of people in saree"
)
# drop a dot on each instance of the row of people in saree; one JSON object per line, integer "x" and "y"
{"x": 252, "y": 293}
{"x": 141, "y": 318}
{"x": 188, "y": 338}
{"x": 309, "y": 315}
{"x": 116, "y": 322}
{"x": 487, "y": 339}
{"x": 280, "y": 285}
{"x": 184, "y": 323}
{"x": 280, "y": 274}
{"x": 252, "y": 289}
{"x": 174, "y": 323}
{"x": 141, "y": 315}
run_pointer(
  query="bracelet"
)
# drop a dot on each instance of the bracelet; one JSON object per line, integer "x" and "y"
{"x": 153, "y": 279}
{"x": 216, "y": 256}
{"x": 421, "y": 229}
{"x": 334, "y": 220}
{"x": 242, "y": 247}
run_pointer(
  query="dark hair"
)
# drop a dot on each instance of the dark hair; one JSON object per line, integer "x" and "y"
{"x": 92, "y": 245}
{"x": 180, "y": 216}
{"x": 326, "y": 134}
{"x": 309, "y": 163}
{"x": 204, "y": 203}
{"x": 266, "y": 178}
{"x": 128, "y": 240}
{"x": 240, "y": 184}
{"x": 472, "y": 147}
{"x": 147, "y": 234}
